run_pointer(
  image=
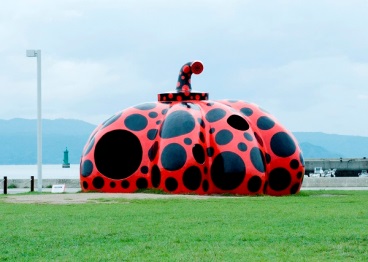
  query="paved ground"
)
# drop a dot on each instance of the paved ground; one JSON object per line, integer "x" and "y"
{"x": 334, "y": 188}
{"x": 77, "y": 190}
{"x": 72, "y": 197}
{"x": 79, "y": 198}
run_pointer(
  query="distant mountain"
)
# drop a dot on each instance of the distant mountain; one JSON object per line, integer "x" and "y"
{"x": 338, "y": 145}
{"x": 56, "y": 127}
{"x": 18, "y": 142}
{"x": 312, "y": 151}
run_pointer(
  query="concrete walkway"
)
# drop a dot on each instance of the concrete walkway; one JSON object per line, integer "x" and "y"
{"x": 334, "y": 188}
{"x": 76, "y": 190}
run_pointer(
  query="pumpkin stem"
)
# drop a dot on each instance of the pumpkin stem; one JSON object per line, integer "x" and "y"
{"x": 183, "y": 85}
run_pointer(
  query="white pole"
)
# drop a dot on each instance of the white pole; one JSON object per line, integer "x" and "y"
{"x": 37, "y": 53}
{"x": 39, "y": 123}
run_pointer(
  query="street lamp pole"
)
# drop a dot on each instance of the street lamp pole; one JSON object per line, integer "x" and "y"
{"x": 37, "y": 53}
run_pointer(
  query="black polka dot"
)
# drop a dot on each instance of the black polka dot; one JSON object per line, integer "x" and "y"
{"x": 185, "y": 104}
{"x": 192, "y": 178}
{"x": 242, "y": 147}
{"x": 210, "y": 104}
{"x": 301, "y": 158}
{"x": 125, "y": 184}
{"x": 257, "y": 159}
{"x": 246, "y": 111}
{"x": 118, "y": 154}
{"x": 259, "y": 139}
{"x": 254, "y": 184}
{"x": 279, "y": 179}
{"x": 171, "y": 184}
{"x": 177, "y": 123}
{"x": 223, "y": 137}
{"x": 87, "y": 168}
{"x": 201, "y": 137}
{"x": 90, "y": 146}
{"x": 187, "y": 141}
{"x": 173, "y": 157}
{"x": 294, "y": 189}
{"x": 85, "y": 185}
{"x": 112, "y": 184}
{"x": 248, "y": 137}
{"x": 98, "y": 182}
{"x": 155, "y": 176}
{"x": 158, "y": 122}
{"x": 227, "y": 170}
{"x": 144, "y": 169}
{"x": 152, "y": 114}
{"x": 111, "y": 120}
{"x": 299, "y": 175}
{"x": 193, "y": 106}
{"x": 212, "y": 130}
{"x": 136, "y": 122}
{"x": 141, "y": 183}
{"x": 198, "y": 153}
{"x": 151, "y": 134}
{"x": 210, "y": 151}
{"x": 96, "y": 130}
{"x": 205, "y": 186}
{"x": 152, "y": 152}
{"x": 164, "y": 111}
{"x": 265, "y": 123}
{"x": 282, "y": 144}
{"x": 215, "y": 114}
{"x": 146, "y": 106}
{"x": 94, "y": 133}
{"x": 268, "y": 158}
{"x": 238, "y": 122}
{"x": 294, "y": 164}
{"x": 201, "y": 122}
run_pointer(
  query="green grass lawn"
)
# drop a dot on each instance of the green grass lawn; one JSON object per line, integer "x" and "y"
{"x": 311, "y": 226}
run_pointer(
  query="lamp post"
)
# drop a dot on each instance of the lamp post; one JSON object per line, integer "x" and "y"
{"x": 37, "y": 53}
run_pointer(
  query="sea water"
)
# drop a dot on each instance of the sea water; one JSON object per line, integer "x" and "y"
{"x": 48, "y": 171}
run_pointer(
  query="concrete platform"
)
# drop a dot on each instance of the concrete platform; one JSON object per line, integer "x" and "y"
{"x": 309, "y": 183}
{"x": 335, "y": 182}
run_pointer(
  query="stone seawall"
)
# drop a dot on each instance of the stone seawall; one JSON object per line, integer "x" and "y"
{"x": 315, "y": 182}
{"x": 325, "y": 182}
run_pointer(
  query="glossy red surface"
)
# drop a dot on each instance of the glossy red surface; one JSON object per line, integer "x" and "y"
{"x": 185, "y": 143}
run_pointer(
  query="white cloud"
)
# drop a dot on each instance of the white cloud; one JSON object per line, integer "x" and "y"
{"x": 311, "y": 95}
{"x": 304, "y": 61}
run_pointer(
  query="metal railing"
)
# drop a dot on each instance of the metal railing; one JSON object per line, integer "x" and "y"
{"x": 5, "y": 188}
{"x": 5, "y": 181}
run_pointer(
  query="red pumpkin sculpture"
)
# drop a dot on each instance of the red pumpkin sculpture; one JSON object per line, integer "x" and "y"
{"x": 185, "y": 143}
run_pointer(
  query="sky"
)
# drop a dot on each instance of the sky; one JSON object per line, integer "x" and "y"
{"x": 305, "y": 62}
